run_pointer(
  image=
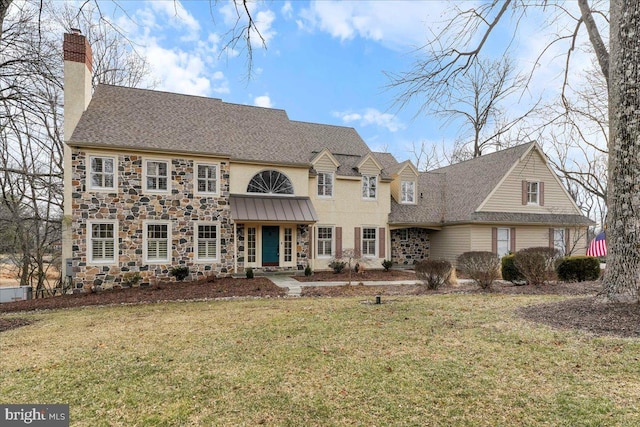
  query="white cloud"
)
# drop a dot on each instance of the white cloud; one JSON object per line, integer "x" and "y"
{"x": 263, "y": 101}
{"x": 371, "y": 116}
{"x": 287, "y": 10}
{"x": 398, "y": 24}
{"x": 178, "y": 17}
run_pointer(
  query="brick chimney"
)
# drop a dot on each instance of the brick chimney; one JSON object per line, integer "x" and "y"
{"x": 77, "y": 94}
{"x": 77, "y": 79}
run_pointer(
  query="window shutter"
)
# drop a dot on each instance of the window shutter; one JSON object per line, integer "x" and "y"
{"x": 524, "y": 192}
{"x": 567, "y": 242}
{"x": 338, "y": 242}
{"x": 382, "y": 238}
{"x": 313, "y": 232}
{"x": 356, "y": 241}
{"x": 551, "y": 245}
{"x": 494, "y": 240}
{"x": 541, "y": 195}
{"x": 512, "y": 238}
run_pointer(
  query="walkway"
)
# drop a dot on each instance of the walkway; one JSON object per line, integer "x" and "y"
{"x": 295, "y": 287}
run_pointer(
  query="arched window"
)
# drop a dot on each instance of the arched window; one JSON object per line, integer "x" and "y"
{"x": 270, "y": 182}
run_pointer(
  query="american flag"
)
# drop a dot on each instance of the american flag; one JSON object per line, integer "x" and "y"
{"x": 598, "y": 246}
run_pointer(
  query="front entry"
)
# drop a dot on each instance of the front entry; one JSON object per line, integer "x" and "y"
{"x": 270, "y": 246}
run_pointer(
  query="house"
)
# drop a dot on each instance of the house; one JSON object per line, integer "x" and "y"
{"x": 155, "y": 180}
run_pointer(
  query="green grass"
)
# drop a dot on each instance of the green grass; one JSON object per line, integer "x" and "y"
{"x": 436, "y": 360}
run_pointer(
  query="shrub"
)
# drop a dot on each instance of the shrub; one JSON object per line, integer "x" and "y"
{"x": 578, "y": 268}
{"x": 434, "y": 273}
{"x": 307, "y": 271}
{"x": 482, "y": 267}
{"x": 180, "y": 273}
{"x": 536, "y": 264}
{"x": 337, "y": 266}
{"x": 509, "y": 270}
{"x": 131, "y": 279}
{"x": 248, "y": 272}
{"x": 387, "y": 264}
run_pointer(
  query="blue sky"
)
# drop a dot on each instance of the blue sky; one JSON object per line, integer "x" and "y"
{"x": 324, "y": 62}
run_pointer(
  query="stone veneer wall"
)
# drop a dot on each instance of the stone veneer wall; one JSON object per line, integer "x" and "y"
{"x": 131, "y": 207}
{"x": 412, "y": 250}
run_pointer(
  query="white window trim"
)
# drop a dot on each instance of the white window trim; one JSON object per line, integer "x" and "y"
{"x": 145, "y": 233}
{"x": 333, "y": 241}
{"x": 90, "y": 185}
{"x": 324, "y": 196}
{"x": 90, "y": 260}
{"x": 375, "y": 245}
{"x": 294, "y": 237}
{"x": 195, "y": 178}
{"x": 246, "y": 247}
{"x": 406, "y": 202}
{"x": 362, "y": 187}
{"x": 144, "y": 175}
{"x": 195, "y": 243}
{"x": 403, "y": 234}
{"x": 537, "y": 193}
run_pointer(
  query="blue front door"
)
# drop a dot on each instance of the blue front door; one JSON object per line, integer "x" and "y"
{"x": 270, "y": 245}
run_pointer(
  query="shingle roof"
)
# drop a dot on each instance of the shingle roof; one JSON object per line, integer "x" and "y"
{"x": 119, "y": 117}
{"x": 452, "y": 194}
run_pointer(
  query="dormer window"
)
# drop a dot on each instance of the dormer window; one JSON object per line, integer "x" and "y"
{"x": 407, "y": 192}
{"x": 369, "y": 186}
{"x": 270, "y": 182}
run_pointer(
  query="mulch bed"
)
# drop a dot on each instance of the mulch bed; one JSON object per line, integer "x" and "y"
{"x": 368, "y": 275}
{"x": 172, "y": 291}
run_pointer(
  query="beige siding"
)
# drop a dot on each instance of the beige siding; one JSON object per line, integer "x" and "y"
{"x": 450, "y": 242}
{"x": 324, "y": 164}
{"x": 369, "y": 168}
{"x": 508, "y": 195}
{"x": 527, "y": 237}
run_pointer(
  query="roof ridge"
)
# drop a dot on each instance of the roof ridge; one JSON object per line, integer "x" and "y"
{"x": 140, "y": 89}
{"x": 484, "y": 156}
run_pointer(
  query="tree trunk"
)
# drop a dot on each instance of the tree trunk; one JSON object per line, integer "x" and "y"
{"x": 622, "y": 275}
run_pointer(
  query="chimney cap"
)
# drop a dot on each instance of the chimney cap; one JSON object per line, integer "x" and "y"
{"x": 76, "y": 31}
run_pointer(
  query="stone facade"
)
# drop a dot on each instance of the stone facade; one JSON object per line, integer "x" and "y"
{"x": 129, "y": 207}
{"x": 409, "y": 246}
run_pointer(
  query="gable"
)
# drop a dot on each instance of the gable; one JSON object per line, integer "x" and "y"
{"x": 325, "y": 162}
{"x": 369, "y": 166}
{"x": 507, "y": 196}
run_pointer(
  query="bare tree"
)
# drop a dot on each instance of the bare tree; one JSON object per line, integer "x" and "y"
{"x": 451, "y": 52}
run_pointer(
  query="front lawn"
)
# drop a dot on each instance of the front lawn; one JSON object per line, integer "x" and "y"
{"x": 434, "y": 360}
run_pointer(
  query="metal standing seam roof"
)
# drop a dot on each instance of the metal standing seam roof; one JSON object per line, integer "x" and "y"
{"x": 272, "y": 209}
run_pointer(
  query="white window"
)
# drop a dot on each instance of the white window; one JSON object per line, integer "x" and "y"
{"x": 533, "y": 193}
{"x": 206, "y": 242}
{"x": 156, "y": 175}
{"x": 251, "y": 244}
{"x": 207, "y": 178}
{"x": 102, "y": 242}
{"x": 559, "y": 241}
{"x": 102, "y": 173}
{"x": 407, "y": 192}
{"x": 157, "y": 237}
{"x": 503, "y": 241}
{"x": 369, "y": 242}
{"x": 369, "y": 186}
{"x": 403, "y": 234}
{"x": 325, "y": 184}
{"x": 325, "y": 241}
